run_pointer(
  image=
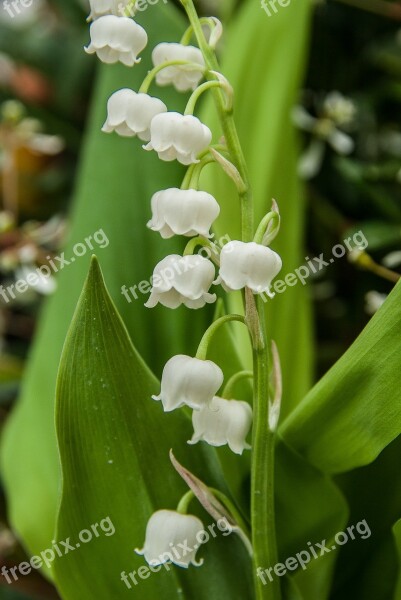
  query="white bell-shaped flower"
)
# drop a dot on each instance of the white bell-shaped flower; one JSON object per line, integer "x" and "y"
{"x": 100, "y": 8}
{"x": 182, "y": 77}
{"x": 172, "y": 537}
{"x": 188, "y": 381}
{"x": 247, "y": 264}
{"x": 130, "y": 114}
{"x": 183, "y": 212}
{"x": 182, "y": 280}
{"x": 176, "y": 136}
{"x": 223, "y": 422}
{"x": 117, "y": 39}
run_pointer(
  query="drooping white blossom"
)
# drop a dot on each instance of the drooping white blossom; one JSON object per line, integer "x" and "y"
{"x": 176, "y": 136}
{"x": 130, "y": 114}
{"x": 188, "y": 381}
{"x": 182, "y": 77}
{"x": 182, "y": 280}
{"x": 172, "y": 537}
{"x": 247, "y": 264}
{"x": 117, "y": 39}
{"x": 183, "y": 212}
{"x": 223, "y": 422}
{"x": 100, "y": 8}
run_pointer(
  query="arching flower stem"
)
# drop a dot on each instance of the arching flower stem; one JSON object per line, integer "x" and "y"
{"x": 185, "y": 501}
{"x": 214, "y": 327}
{"x": 232, "y": 382}
{"x": 147, "y": 82}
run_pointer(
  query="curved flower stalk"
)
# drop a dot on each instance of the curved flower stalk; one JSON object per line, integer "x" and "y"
{"x": 182, "y": 280}
{"x": 117, "y": 39}
{"x": 167, "y": 532}
{"x": 130, "y": 114}
{"x": 247, "y": 264}
{"x": 183, "y": 79}
{"x": 188, "y": 381}
{"x": 183, "y": 212}
{"x": 223, "y": 422}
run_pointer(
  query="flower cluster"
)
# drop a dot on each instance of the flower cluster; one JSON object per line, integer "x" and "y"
{"x": 192, "y": 382}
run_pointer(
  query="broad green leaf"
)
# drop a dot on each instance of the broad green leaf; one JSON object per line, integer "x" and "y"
{"x": 369, "y": 566}
{"x": 353, "y": 412}
{"x": 116, "y": 181}
{"x": 263, "y": 60}
{"x": 114, "y": 445}
{"x": 310, "y": 508}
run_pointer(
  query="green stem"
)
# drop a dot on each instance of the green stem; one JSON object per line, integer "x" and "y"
{"x": 227, "y": 121}
{"x": 232, "y": 382}
{"x": 183, "y": 504}
{"x": 262, "y": 470}
{"x": 262, "y": 482}
{"x": 171, "y": 63}
{"x": 186, "y": 38}
{"x": 194, "y": 242}
{"x": 190, "y": 108}
{"x": 209, "y": 333}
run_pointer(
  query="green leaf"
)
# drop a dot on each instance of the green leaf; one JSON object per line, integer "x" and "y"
{"x": 114, "y": 447}
{"x": 310, "y": 507}
{"x": 353, "y": 412}
{"x": 264, "y": 61}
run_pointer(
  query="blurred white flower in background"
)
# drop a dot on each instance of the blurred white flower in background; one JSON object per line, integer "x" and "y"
{"x": 336, "y": 112}
{"x": 373, "y": 301}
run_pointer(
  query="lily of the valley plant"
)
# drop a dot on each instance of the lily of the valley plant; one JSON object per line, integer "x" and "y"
{"x": 248, "y": 264}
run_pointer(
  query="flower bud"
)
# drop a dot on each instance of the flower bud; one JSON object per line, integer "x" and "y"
{"x": 248, "y": 265}
{"x": 188, "y": 381}
{"x": 182, "y": 77}
{"x": 183, "y": 212}
{"x": 175, "y": 136}
{"x": 182, "y": 280}
{"x": 130, "y": 114}
{"x": 172, "y": 537}
{"x": 117, "y": 39}
{"x": 223, "y": 422}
